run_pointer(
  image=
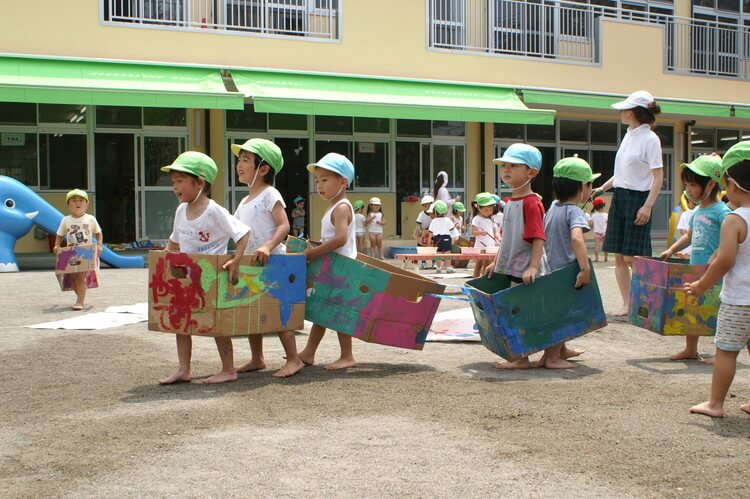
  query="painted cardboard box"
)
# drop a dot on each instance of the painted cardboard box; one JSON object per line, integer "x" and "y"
{"x": 75, "y": 259}
{"x": 369, "y": 299}
{"x": 191, "y": 294}
{"x": 517, "y": 321}
{"x": 658, "y": 303}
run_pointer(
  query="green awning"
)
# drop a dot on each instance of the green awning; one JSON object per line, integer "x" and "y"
{"x": 597, "y": 101}
{"x": 742, "y": 112}
{"x": 52, "y": 81}
{"x": 295, "y": 93}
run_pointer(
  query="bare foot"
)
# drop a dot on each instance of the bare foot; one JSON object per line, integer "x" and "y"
{"x": 341, "y": 363}
{"x": 558, "y": 364}
{"x": 623, "y": 312}
{"x": 179, "y": 376}
{"x": 568, "y": 353}
{"x": 77, "y": 306}
{"x": 306, "y": 358}
{"x": 516, "y": 364}
{"x": 289, "y": 369}
{"x": 684, "y": 355}
{"x": 745, "y": 407}
{"x": 221, "y": 377}
{"x": 709, "y": 360}
{"x": 253, "y": 365}
{"x": 708, "y": 410}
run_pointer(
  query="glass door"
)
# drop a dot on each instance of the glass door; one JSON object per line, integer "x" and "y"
{"x": 114, "y": 168}
{"x": 157, "y": 202}
{"x": 450, "y": 158}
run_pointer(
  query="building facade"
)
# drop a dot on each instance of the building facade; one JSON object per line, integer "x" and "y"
{"x": 102, "y": 93}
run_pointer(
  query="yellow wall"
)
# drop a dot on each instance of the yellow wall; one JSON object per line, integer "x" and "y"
{"x": 27, "y": 244}
{"x": 630, "y": 50}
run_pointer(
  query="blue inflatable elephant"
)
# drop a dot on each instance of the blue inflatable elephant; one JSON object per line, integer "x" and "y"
{"x": 21, "y": 209}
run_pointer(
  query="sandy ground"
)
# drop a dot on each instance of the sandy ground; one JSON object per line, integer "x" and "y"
{"x": 81, "y": 414}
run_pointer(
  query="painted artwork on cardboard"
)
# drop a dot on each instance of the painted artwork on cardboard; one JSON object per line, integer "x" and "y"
{"x": 518, "y": 321}
{"x": 192, "y": 294}
{"x": 74, "y": 259}
{"x": 657, "y": 302}
{"x": 369, "y": 299}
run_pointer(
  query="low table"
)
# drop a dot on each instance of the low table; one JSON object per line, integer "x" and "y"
{"x": 414, "y": 258}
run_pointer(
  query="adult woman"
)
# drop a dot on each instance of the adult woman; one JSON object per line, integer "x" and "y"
{"x": 440, "y": 190}
{"x": 637, "y": 180}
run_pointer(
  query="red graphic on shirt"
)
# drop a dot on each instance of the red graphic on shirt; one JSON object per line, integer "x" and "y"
{"x": 204, "y": 236}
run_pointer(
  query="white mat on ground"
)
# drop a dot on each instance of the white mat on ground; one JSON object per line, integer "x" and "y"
{"x": 457, "y": 275}
{"x": 112, "y": 317}
{"x": 454, "y": 325}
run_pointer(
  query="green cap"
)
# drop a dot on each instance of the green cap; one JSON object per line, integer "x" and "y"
{"x": 76, "y": 192}
{"x": 459, "y": 207}
{"x": 195, "y": 163}
{"x": 267, "y": 150}
{"x": 574, "y": 168}
{"x": 441, "y": 208}
{"x": 706, "y": 165}
{"x": 736, "y": 154}
{"x": 485, "y": 199}
{"x": 358, "y": 204}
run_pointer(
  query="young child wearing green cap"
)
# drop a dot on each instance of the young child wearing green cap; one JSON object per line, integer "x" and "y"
{"x": 483, "y": 228}
{"x": 359, "y": 224}
{"x": 701, "y": 178}
{"x": 258, "y": 163}
{"x": 298, "y": 217}
{"x": 732, "y": 263}
{"x": 202, "y": 226}
{"x": 333, "y": 173}
{"x": 440, "y": 233}
{"x": 78, "y": 228}
{"x": 458, "y": 220}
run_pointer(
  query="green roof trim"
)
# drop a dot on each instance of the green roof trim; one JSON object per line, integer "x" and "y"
{"x": 330, "y": 95}
{"x": 742, "y": 112}
{"x": 52, "y": 81}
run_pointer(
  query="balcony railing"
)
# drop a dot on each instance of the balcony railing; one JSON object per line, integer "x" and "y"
{"x": 318, "y": 19}
{"x": 571, "y": 32}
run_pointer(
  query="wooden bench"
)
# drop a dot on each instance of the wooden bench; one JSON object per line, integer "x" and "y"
{"x": 413, "y": 258}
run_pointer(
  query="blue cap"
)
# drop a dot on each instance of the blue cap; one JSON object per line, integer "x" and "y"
{"x": 298, "y": 199}
{"x": 496, "y": 198}
{"x": 521, "y": 154}
{"x": 336, "y": 163}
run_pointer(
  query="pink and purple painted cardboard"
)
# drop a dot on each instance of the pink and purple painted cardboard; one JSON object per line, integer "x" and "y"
{"x": 369, "y": 299}
{"x": 74, "y": 259}
{"x": 657, "y": 302}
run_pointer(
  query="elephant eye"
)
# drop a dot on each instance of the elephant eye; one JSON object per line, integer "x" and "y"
{"x": 10, "y": 203}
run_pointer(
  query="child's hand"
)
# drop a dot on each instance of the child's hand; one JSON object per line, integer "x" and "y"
{"x": 530, "y": 275}
{"x": 489, "y": 269}
{"x": 261, "y": 255}
{"x": 666, "y": 255}
{"x": 693, "y": 288}
{"x": 56, "y": 249}
{"x": 583, "y": 278}
{"x": 232, "y": 266}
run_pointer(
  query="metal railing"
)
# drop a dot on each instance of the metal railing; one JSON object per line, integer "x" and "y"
{"x": 298, "y": 18}
{"x": 570, "y": 31}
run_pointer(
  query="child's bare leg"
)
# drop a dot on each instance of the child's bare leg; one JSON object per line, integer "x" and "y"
{"x": 184, "y": 354}
{"x": 347, "y": 355}
{"x": 745, "y": 407}
{"x": 79, "y": 287}
{"x": 307, "y": 355}
{"x": 568, "y": 353}
{"x": 552, "y": 359}
{"x": 373, "y": 244}
{"x": 724, "y": 368}
{"x": 226, "y": 353}
{"x": 257, "y": 361}
{"x": 690, "y": 351}
{"x": 293, "y": 363}
{"x": 522, "y": 363}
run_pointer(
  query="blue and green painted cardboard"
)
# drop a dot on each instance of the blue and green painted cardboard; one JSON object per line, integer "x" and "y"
{"x": 191, "y": 294}
{"x": 369, "y": 299}
{"x": 658, "y": 303}
{"x": 518, "y": 321}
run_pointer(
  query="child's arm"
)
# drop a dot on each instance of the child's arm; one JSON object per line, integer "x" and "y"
{"x": 537, "y": 248}
{"x": 579, "y": 249}
{"x": 475, "y": 231}
{"x": 172, "y": 246}
{"x": 382, "y": 220}
{"x": 682, "y": 243}
{"x": 99, "y": 241}
{"x": 368, "y": 219}
{"x": 262, "y": 254}
{"x": 341, "y": 220}
{"x": 731, "y": 231}
{"x": 58, "y": 242}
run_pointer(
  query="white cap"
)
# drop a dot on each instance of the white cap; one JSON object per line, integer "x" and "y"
{"x": 374, "y": 200}
{"x": 427, "y": 199}
{"x": 640, "y": 98}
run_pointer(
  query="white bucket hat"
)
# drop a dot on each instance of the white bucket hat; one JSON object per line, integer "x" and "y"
{"x": 640, "y": 98}
{"x": 374, "y": 201}
{"x": 427, "y": 199}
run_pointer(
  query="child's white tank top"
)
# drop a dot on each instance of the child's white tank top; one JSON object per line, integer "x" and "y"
{"x": 328, "y": 231}
{"x": 735, "y": 289}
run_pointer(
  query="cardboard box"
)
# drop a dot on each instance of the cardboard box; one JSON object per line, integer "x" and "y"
{"x": 517, "y": 321}
{"x": 369, "y": 299}
{"x": 657, "y": 302}
{"x": 75, "y": 259}
{"x": 191, "y": 294}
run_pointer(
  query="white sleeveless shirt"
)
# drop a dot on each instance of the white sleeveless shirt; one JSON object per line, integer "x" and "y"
{"x": 328, "y": 231}
{"x": 735, "y": 289}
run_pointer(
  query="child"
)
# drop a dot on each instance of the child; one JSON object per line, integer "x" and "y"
{"x": 732, "y": 262}
{"x": 422, "y": 230}
{"x": 701, "y": 179}
{"x": 258, "y": 163}
{"x": 683, "y": 225}
{"x": 298, "y": 215}
{"x": 375, "y": 221}
{"x": 202, "y": 226}
{"x": 78, "y": 228}
{"x": 599, "y": 224}
{"x": 483, "y": 228}
{"x": 359, "y": 221}
{"x": 564, "y": 226}
{"x": 440, "y": 233}
{"x": 521, "y": 253}
{"x": 497, "y": 216}
{"x": 333, "y": 173}
{"x": 458, "y": 220}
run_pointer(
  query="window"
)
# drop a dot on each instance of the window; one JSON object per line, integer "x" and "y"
{"x": 62, "y": 113}
{"x": 287, "y": 121}
{"x": 508, "y": 131}
{"x": 604, "y": 132}
{"x": 118, "y": 116}
{"x": 146, "y": 11}
{"x": 449, "y": 128}
{"x": 448, "y": 23}
{"x": 288, "y": 17}
{"x": 247, "y": 119}
{"x": 18, "y": 153}
{"x": 340, "y": 125}
{"x": 574, "y": 131}
{"x": 372, "y": 125}
{"x": 413, "y": 128}
{"x": 63, "y": 161}
{"x": 12, "y": 113}
{"x": 371, "y": 164}
{"x": 703, "y": 138}
{"x": 162, "y": 116}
